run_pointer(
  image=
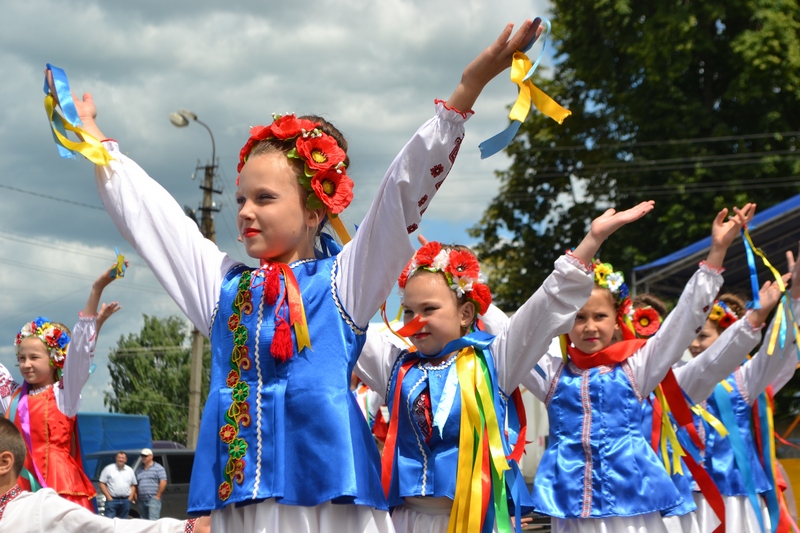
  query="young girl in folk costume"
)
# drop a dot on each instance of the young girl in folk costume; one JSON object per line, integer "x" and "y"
{"x": 719, "y": 349}
{"x": 452, "y": 386}
{"x": 598, "y": 472}
{"x": 301, "y": 468}
{"x": 702, "y": 510}
{"x": 55, "y": 364}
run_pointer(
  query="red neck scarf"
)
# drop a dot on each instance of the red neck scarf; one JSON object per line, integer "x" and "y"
{"x": 613, "y": 354}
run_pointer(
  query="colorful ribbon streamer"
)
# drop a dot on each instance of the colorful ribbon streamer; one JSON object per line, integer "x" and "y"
{"x": 91, "y": 148}
{"x": 521, "y": 71}
{"x": 297, "y": 312}
{"x": 739, "y": 451}
{"x": 119, "y": 269}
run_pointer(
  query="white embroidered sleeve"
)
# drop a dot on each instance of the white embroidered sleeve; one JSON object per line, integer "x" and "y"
{"x": 790, "y": 355}
{"x": 376, "y": 362}
{"x": 652, "y": 361}
{"x": 549, "y": 312}
{"x": 188, "y": 266}
{"x": 77, "y": 364}
{"x": 543, "y": 379}
{"x": 757, "y": 373}
{"x": 371, "y": 263}
{"x": 7, "y": 387}
{"x": 699, "y": 376}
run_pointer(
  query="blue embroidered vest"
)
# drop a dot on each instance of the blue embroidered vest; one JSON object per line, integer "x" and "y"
{"x": 719, "y": 457}
{"x": 598, "y": 463}
{"x": 427, "y": 461}
{"x": 290, "y": 430}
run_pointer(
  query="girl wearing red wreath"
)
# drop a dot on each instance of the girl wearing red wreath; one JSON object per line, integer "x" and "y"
{"x": 599, "y": 473}
{"x": 55, "y": 364}
{"x": 717, "y": 376}
{"x": 453, "y": 382}
{"x": 286, "y": 334}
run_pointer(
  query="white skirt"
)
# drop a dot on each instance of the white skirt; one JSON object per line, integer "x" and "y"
{"x": 646, "y": 523}
{"x": 269, "y": 516}
{"x": 739, "y": 514}
{"x": 423, "y": 515}
{"x": 688, "y": 523}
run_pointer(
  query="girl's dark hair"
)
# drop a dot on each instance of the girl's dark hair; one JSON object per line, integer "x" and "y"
{"x": 646, "y": 299}
{"x": 735, "y": 302}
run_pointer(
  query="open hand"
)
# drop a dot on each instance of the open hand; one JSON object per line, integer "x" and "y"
{"x": 84, "y": 106}
{"x": 106, "y": 310}
{"x": 612, "y": 220}
{"x": 724, "y": 231}
{"x": 491, "y": 62}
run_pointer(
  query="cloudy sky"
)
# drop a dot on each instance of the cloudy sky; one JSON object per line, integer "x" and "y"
{"x": 372, "y": 68}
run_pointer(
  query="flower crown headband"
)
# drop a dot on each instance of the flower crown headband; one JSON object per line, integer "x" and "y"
{"x": 54, "y": 337}
{"x": 460, "y": 268}
{"x": 323, "y": 159}
{"x": 606, "y": 277}
{"x": 722, "y": 314}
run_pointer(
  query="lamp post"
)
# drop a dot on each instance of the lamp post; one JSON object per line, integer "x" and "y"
{"x": 181, "y": 119}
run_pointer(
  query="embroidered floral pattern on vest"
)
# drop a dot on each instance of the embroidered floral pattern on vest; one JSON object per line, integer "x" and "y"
{"x": 238, "y": 414}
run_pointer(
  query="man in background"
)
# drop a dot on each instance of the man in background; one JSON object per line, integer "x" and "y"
{"x": 152, "y": 480}
{"x": 117, "y": 483}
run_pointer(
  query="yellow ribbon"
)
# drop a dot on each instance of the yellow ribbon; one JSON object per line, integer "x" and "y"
{"x": 712, "y": 421}
{"x": 529, "y": 93}
{"x": 776, "y": 327}
{"x": 479, "y": 423}
{"x": 668, "y": 434}
{"x": 90, "y": 148}
{"x": 338, "y": 227}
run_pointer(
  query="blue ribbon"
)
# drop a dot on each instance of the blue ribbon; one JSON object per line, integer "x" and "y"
{"x": 772, "y": 495}
{"x": 491, "y": 146}
{"x": 64, "y": 96}
{"x": 751, "y": 264}
{"x": 737, "y": 444}
{"x": 329, "y": 246}
{"x": 480, "y": 340}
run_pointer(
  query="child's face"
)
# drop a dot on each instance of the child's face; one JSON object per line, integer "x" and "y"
{"x": 704, "y": 339}
{"x": 595, "y": 323}
{"x": 273, "y": 219}
{"x": 427, "y": 295}
{"x": 34, "y": 363}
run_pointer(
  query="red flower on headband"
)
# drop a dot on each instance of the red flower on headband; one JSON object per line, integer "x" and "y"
{"x": 726, "y": 320}
{"x": 334, "y": 189}
{"x": 289, "y": 126}
{"x": 320, "y": 153}
{"x": 482, "y": 296}
{"x": 426, "y": 254}
{"x": 463, "y": 263}
{"x": 259, "y": 133}
{"x": 401, "y": 281}
{"x": 646, "y": 321}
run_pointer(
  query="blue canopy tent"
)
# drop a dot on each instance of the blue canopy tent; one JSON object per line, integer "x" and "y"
{"x": 773, "y": 230}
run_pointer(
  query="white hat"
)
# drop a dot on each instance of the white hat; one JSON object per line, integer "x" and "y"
{"x": 147, "y": 451}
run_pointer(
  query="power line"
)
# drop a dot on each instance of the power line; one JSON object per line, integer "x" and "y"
{"x": 695, "y": 140}
{"x": 57, "y": 199}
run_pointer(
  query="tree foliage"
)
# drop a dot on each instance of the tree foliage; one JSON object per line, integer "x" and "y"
{"x": 150, "y": 375}
{"x": 688, "y": 103}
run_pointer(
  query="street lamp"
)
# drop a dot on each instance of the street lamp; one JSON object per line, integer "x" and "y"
{"x": 181, "y": 119}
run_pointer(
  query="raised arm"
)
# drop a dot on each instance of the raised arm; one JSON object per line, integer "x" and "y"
{"x": 188, "y": 266}
{"x": 377, "y": 359}
{"x": 381, "y": 247}
{"x": 651, "y": 363}
{"x": 80, "y": 351}
{"x": 699, "y": 376}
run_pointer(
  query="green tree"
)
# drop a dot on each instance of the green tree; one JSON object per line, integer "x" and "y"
{"x": 687, "y": 103}
{"x": 150, "y": 375}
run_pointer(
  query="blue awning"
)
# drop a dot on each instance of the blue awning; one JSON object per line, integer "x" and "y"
{"x": 773, "y": 230}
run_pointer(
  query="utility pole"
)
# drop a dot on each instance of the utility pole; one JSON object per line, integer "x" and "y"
{"x": 181, "y": 119}
{"x": 206, "y": 224}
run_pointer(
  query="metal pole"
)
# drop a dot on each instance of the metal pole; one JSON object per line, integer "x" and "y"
{"x": 198, "y": 341}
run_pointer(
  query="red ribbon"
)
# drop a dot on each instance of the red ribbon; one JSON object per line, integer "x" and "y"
{"x": 416, "y": 324}
{"x": 519, "y": 447}
{"x": 387, "y": 461}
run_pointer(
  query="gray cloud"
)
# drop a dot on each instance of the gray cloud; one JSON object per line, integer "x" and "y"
{"x": 373, "y": 68}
